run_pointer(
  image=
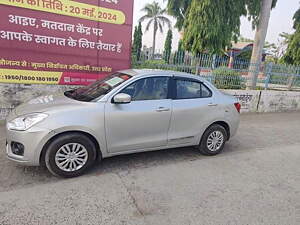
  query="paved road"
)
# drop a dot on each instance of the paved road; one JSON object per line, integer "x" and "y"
{"x": 255, "y": 181}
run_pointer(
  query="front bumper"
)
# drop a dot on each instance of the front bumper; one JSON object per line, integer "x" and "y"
{"x": 33, "y": 140}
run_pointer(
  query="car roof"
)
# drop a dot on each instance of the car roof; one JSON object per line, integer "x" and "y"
{"x": 143, "y": 72}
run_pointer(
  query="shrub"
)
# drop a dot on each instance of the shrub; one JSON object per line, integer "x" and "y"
{"x": 155, "y": 62}
{"x": 152, "y": 64}
{"x": 226, "y": 78}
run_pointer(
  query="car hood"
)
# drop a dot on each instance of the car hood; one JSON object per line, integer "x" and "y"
{"x": 45, "y": 103}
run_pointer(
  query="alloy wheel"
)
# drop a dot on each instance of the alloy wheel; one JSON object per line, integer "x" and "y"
{"x": 215, "y": 141}
{"x": 71, "y": 157}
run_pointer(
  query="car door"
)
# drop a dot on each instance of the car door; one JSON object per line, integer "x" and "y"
{"x": 193, "y": 107}
{"x": 144, "y": 122}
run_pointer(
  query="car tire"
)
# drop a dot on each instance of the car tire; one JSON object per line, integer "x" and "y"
{"x": 70, "y": 155}
{"x": 213, "y": 140}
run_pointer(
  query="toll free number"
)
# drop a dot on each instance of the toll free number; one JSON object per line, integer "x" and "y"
{"x": 26, "y": 78}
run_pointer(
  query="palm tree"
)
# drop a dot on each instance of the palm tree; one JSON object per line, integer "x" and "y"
{"x": 155, "y": 16}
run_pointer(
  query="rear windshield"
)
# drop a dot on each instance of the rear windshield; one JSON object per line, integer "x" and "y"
{"x": 99, "y": 88}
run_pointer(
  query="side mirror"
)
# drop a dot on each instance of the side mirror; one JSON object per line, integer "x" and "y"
{"x": 122, "y": 99}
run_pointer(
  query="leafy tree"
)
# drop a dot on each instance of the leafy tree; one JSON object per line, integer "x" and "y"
{"x": 296, "y": 19}
{"x": 292, "y": 55}
{"x": 180, "y": 45}
{"x": 254, "y": 9}
{"x": 137, "y": 42}
{"x": 155, "y": 15}
{"x": 179, "y": 54}
{"x": 178, "y": 9}
{"x": 134, "y": 46}
{"x": 210, "y": 25}
{"x": 168, "y": 46}
{"x": 286, "y": 37}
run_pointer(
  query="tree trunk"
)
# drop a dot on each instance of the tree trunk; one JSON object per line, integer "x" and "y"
{"x": 260, "y": 37}
{"x": 154, "y": 38}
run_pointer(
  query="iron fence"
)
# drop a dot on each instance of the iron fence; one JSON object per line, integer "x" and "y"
{"x": 225, "y": 72}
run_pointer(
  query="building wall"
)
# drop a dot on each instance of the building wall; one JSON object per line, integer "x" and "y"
{"x": 267, "y": 101}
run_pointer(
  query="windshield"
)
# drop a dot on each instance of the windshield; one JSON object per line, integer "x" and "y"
{"x": 99, "y": 88}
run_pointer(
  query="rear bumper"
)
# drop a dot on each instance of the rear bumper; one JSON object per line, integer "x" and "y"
{"x": 234, "y": 125}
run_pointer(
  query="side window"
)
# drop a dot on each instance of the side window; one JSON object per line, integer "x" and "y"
{"x": 205, "y": 92}
{"x": 152, "y": 88}
{"x": 187, "y": 89}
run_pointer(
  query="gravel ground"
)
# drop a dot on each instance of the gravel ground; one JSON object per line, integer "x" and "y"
{"x": 256, "y": 180}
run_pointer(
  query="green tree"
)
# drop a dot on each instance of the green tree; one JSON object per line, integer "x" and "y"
{"x": 286, "y": 37}
{"x": 180, "y": 46}
{"x": 168, "y": 46}
{"x": 137, "y": 42}
{"x": 296, "y": 19}
{"x": 254, "y": 8}
{"x": 292, "y": 55}
{"x": 179, "y": 54}
{"x": 134, "y": 45}
{"x": 211, "y": 25}
{"x": 156, "y": 16}
{"x": 178, "y": 9}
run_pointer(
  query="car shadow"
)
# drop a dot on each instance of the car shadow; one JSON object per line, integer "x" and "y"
{"x": 144, "y": 160}
{"x": 14, "y": 176}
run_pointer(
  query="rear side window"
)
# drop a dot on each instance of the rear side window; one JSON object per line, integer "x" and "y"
{"x": 205, "y": 92}
{"x": 187, "y": 89}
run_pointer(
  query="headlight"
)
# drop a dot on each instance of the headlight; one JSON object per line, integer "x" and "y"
{"x": 23, "y": 123}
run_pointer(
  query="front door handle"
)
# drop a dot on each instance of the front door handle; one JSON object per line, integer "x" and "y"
{"x": 212, "y": 104}
{"x": 162, "y": 109}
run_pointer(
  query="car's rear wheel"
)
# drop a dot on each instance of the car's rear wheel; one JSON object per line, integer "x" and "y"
{"x": 70, "y": 155}
{"x": 213, "y": 140}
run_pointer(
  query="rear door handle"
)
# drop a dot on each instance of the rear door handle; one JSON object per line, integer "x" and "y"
{"x": 162, "y": 109}
{"x": 212, "y": 104}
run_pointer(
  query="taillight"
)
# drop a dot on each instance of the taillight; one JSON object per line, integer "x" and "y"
{"x": 238, "y": 107}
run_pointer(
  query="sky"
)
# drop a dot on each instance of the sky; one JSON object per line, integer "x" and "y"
{"x": 280, "y": 21}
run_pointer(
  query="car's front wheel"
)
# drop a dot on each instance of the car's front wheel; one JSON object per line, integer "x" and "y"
{"x": 69, "y": 155}
{"x": 213, "y": 140}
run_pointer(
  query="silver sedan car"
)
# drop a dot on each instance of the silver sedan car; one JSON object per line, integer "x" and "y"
{"x": 127, "y": 112}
